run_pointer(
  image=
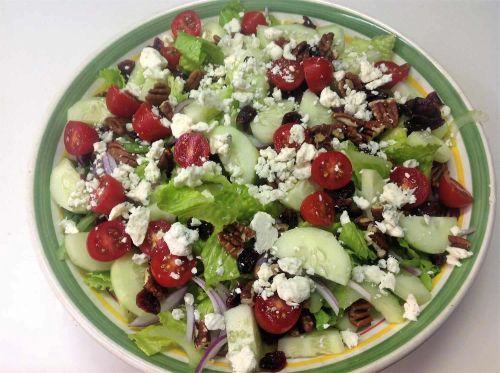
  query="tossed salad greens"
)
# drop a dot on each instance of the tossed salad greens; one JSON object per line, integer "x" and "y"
{"x": 253, "y": 178}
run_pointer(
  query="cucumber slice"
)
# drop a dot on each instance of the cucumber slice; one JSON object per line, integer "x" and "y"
{"x": 76, "y": 247}
{"x": 315, "y": 302}
{"x": 210, "y": 29}
{"x": 63, "y": 181}
{"x": 432, "y": 237}
{"x": 318, "y": 114}
{"x": 345, "y": 296}
{"x": 361, "y": 161}
{"x": 372, "y": 184}
{"x": 441, "y": 131}
{"x": 242, "y": 156}
{"x": 298, "y": 32}
{"x": 319, "y": 251}
{"x": 397, "y": 134}
{"x": 312, "y": 344}
{"x": 298, "y": 193}
{"x": 155, "y": 213}
{"x": 345, "y": 324}
{"x": 387, "y": 304}
{"x": 338, "y": 36}
{"x": 91, "y": 111}
{"x": 200, "y": 113}
{"x": 127, "y": 279}
{"x": 407, "y": 284}
{"x": 268, "y": 120}
{"x": 423, "y": 138}
{"x": 242, "y": 330}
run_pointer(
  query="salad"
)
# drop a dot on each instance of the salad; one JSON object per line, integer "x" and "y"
{"x": 255, "y": 187}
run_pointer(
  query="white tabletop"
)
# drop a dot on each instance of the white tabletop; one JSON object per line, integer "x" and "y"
{"x": 43, "y": 45}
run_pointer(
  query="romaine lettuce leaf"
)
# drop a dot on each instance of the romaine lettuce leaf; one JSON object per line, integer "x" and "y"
{"x": 99, "y": 280}
{"x": 112, "y": 77}
{"x": 424, "y": 154}
{"x": 384, "y": 44}
{"x": 196, "y": 51}
{"x": 354, "y": 239}
{"x": 176, "y": 85}
{"x": 362, "y": 161}
{"x": 231, "y": 10}
{"x": 323, "y": 319}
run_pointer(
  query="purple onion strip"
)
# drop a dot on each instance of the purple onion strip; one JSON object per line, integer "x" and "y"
{"x": 359, "y": 289}
{"x": 144, "y": 320}
{"x": 182, "y": 105}
{"x": 189, "y": 322}
{"x": 173, "y": 299}
{"x": 211, "y": 351}
{"x": 413, "y": 270}
{"x": 328, "y": 296}
{"x": 217, "y": 302}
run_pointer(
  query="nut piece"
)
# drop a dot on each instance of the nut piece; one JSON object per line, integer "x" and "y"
{"x": 323, "y": 135}
{"x": 116, "y": 150}
{"x": 461, "y": 242}
{"x": 308, "y": 22}
{"x": 158, "y": 94}
{"x": 193, "y": 81}
{"x": 307, "y": 323}
{"x": 377, "y": 213}
{"x": 201, "y": 335}
{"x": 363, "y": 222}
{"x": 153, "y": 287}
{"x": 350, "y": 80}
{"x": 117, "y": 125}
{"x": 234, "y": 236}
{"x": 358, "y": 130}
{"x": 247, "y": 294}
{"x": 359, "y": 313}
{"x": 167, "y": 110}
{"x": 438, "y": 170}
{"x": 166, "y": 162}
{"x": 378, "y": 240}
{"x": 385, "y": 111}
{"x": 325, "y": 46}
{"x": 301, "y": 51}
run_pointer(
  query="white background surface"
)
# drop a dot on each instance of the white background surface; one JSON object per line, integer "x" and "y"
{"x": 45, "y": 42}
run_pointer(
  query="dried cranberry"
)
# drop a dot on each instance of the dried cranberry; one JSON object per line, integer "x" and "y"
{"x": 146, "y": 301}
{"x": 205, "y": 229}
{"x": 296, "y": 93}
{"x": 290, "y": 218}
{"x": 431, "y": 208}
{"x": 375, "y": 95}
{"x": 273, "y": 361}
{"x": 438, "y": 259}
{"x": 126, "y": 67}
{"x": 158, "y": 44}
{"x": 308, "y": 22}
{"x": 233, "y": 299}
{"x": 245, "y": 116}
{"x": 291, "y": 117}
{"x": 423, "y": 112}
{"x": 247, "y": 259}
{"x": 342, "y": 198}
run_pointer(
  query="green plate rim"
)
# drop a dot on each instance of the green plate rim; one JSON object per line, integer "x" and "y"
{"x": 377, "y": 357}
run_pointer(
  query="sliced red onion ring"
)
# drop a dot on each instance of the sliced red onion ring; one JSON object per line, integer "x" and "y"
{"x": 211, "y": 351}
{"x": 145, "y": 320}
{"x": 261, "y": 260}
{"x": 182, "y": 105}
{"x": 173, "y": 299}
{"x": 222, "y": 291}
{"x": 358, "y": 288}
{"x": 189, "y": 322}
{"x": 217, "y": 302}
{"x": 328, "y": 296}
{"x": 413, "y": 270}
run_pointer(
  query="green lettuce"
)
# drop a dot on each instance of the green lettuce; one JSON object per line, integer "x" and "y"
{"x": 231, "y": 10}
{"x": 169, "y": 333}
{"x": 383, "y": 44}
{"x": 324, "y": 320}
{"x": 195, "y": 52}
{"x": 176, "y": 85}
{"x": 112, "y": 77}
{"x": 424, "y": 154}
{"x": 362, "y": 161}
{"x": 87, "y": 222}
{"x": 61, "y": 253}
{"x": 98, "y": 280}
{"x": 354, "y": 239}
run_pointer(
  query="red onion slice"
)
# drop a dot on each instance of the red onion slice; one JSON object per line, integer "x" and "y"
{"x": 189, "y": 322}
{"x": 359, "y": 289}
{"x": 106, "y": 165}
{"x": 173, "y": 299}
{"x": 217, "y": 302}
{"x": 145, "y": 320}
{"x": 182, "y": 105}
{"x": 413, "y": 270}
{"x": 211, "y": 351}
{"x": 222, "y": 291}
{"x": 328, "y": 296}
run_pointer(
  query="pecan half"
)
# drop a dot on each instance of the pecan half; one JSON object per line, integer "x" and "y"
{"x": 166, "y": 162}
{"x": 325, "y": 45}
{"x": 146, "y": 301}
{"x": 116, "y": 150}
{"x": 308, "y": 22}
{"x": 167, "y": 110}
{"x": 158, "y": 94}
{"x": 350, "y": 81}
{"x": 216, "y": 39}
{"x": 438, "y": 170}
{"x": 247, "y": 294}
{"x": 358, "y": 130}
{"x": 201, "y": 335}
{"x": 234, "y": 236}
{"x": 282, "y": 41}
{"x": 385, "y": 111}
{"x": 323, "y": 135}
{"x": 301, "y": 51}
{"x": 377, "y": 213}
{"x": 359, "y": 313}
{"x": 117, "y": 125}
{"x": 193, "y": 81}
{"x": 378, "y": 240}
{"x": 307, "y": 323}
{"x": 461, "y": 242}
{"x": 363, "y": 221}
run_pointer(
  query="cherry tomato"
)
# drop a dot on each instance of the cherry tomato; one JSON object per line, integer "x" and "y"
{"x": 188, "y": 22}
{"x": 331, "y": 170}
{"x": 274, "y": 315}
{"x": 281, "y": 137}
{"x": 108, "y": 241}
{"x": 121, "y": 103}
{"x": 285, "y": 74}
{"x": 152, "y": 242}
{"x": 79, "y": 138}
{"x": 171, "y": 270}
{"x": 318, "y": 208}
{"x": 399, "y": 73}
{"x": 412, "y": 178}
{"x": 148, "y": 125}
{"x": 108, "y": 194}
{"x": 452, "y": 194}
{"x": 191, "y": 149}
{"x": 318, "y": 72}
{"x": 172, "y": 55}
{"x": 250, "y": 21}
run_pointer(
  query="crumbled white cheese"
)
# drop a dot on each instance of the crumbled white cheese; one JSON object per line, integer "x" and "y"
{"x": 388, "y": 281}
{"x": 141, "y": 192}
{"x": 195, "y": 222}
{"x": 156, "y": 150}
{"x": 220, "y": 144}
{"x": 290, "y": 265}
{"x": 120, "y": 210}
{"x": 153, "y": 63}
{"x": 329, "y": 98}
{"x": 177, "y": 314}
{"x": 368, "y": 72}
{"x": 273, "y": 33}
{"x": 265, "y": 272}
{"x": 126, "y": 175}
{"x": 349, "y": 338}
{"x": 215, "y": 321}
{"x": 287, "y": 50}
{"x": 233, "y": 26}
{"x": 68, "y": 226}
{"x": 411, "y": 163}
{"x": 392, "y": 264}
{"x": 339, "y": 75}
{"x": 456, "y": 231}
{"x": 395, "y": 196}
{"x": 273, "y": 50}
{"x": 189, "y": 299}
{"x": 265, "y": 232}
{"x": 152, "y": 172}
{"x": 412, "y": 310}
{"x": 455, "y": 254}
{"x": 179, "y": 239}
{"x": 243, "y": 361}
{"x": 400, "y": 99}
{"x": 293, "y": 290}
{"x": 182, "y": 123}
{"x": 297, "y": 134}
{"x": 355, "y": 104}
{"x": 265, "y": 193}
{"x": 379, "y": 82}
{"x": 80, "y": 197}
{"x": 344, "y": 218}
{"x": 137, "y": 224}
{"x": 361, "y": 202}
{"x": 192, "y": 176}
{"x": 140, "y": 259}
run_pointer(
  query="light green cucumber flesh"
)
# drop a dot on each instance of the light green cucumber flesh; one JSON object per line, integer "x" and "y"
{"x": 63, "y": 181}
{"x": 298, "y": 193}
{"x": 387, "y": 304}
{"x": 345, "y": 324}
{"x": 91, "y": 111}
{"x": 269, "y": 120}
{"x": 76, "y": 248}
{"x": 317, "y": 113}
{"x": 423, "y": 138}
{"x": 345, "y": 296}
{"x": 210, "y": 29}
{"x": 200, "y": 113}
{"x": 372, "y": 184}
{"x": 242, "y": 330}
{"x": 429, "y": 234}
{"x": 407, "y": 284}
{"x": 312, "y": 344}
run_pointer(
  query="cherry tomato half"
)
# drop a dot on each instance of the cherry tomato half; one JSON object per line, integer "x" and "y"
{"x": 318, "y": 209}
{"x": 399, "y": 73}
{"x": 79, "y": 138}
{"x": 281, "y": 137}
{"x": 191, "y": 149}
{"x": 250, "y": 21}
{"x": 170, "y": 270}
{"x": 318, "y": 72}
{"x": 452, "y": 194}
{"x": 121, "y": 103}
{"x": 274, "y": 315}
{"x": 331, "y": 170}
{"x": 172, "y": 55}
{"x": 147, "y": 125}
{"x": 188, "y": 22}
{"x": 153, "y": 242}
{"x": 108, "y": 194}
{"x": 285, "y": 74}
{"x": 412, "y": 178}
{"x": 108, "y": 241}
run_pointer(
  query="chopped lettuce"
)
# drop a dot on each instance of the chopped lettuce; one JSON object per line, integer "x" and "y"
{"x": 61, "y": 251}
{"x": 176, "y": 85}
{"x": 274, "y": 20}
{"x": 196, "y": 51}
{"x": 218, "y": 264}
{"x": 170, "y": 333}
{"x": 384, "y": 44}
{"x": 99, "y": 280}
{"x": 231, "y": 10}
{"x": 324, "y": 319}
{"x": 204, "y": 306}
{"x": 111, "y": 77}
{"x": 354, "y": 239}
{"x": 86, "y": 223}
{"x": 424, "y": 154}
{"x": 362, "y": 161}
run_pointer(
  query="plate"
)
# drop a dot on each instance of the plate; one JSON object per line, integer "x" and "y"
{"x": 380, "y": 346}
